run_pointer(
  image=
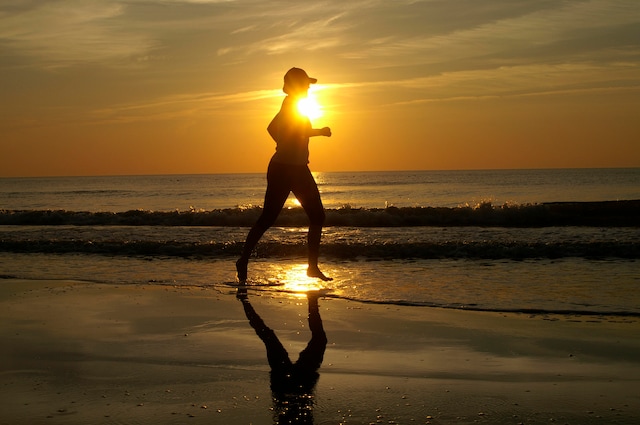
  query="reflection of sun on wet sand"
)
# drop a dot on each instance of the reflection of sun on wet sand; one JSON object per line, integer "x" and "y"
{"x": 295, "y": 279}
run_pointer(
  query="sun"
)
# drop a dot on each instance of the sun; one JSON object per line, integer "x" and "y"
{"x": 309, "y": 107}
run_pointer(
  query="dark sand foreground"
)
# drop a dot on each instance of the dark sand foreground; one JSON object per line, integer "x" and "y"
{"x": 84, "y": 353}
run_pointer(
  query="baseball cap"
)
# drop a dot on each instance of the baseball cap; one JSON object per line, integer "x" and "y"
{"x": 297, "y": 76}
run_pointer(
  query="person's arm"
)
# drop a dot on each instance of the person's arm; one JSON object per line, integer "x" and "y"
{"x": 324, "y": 131}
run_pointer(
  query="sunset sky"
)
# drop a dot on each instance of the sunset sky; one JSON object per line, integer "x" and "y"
{"x": 101, "y": 87}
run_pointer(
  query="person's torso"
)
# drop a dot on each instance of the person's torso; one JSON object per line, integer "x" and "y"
{"x": 292, "y": 141}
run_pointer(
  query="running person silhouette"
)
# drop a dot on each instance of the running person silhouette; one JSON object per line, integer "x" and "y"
{"x": 288, "y": 171}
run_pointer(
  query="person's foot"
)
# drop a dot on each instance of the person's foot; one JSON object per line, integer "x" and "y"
{"x": 315, "y": 272}
{"x": 241, "y": 271}
{"x": 241, "y": 294}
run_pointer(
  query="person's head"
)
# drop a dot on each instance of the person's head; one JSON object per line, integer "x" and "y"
{"x": 296, "y": 82}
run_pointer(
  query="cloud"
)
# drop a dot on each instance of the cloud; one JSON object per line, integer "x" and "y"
{"x": 566, "y": 47}
{"x": 369, "y": 33}
{"x": 289, "y": 27}
{"x": 495, "y": 48}
{"x": 197, "y": 1}
{"x": 314, "y": 35}
{"x": 188, "y": 104}
{"x": 501, "y": 82}
{"x": 179, "y": 105}
{"x": 67, "y": 32}
{"x": 505, "y": 37}
{"x": 518, "y": 81}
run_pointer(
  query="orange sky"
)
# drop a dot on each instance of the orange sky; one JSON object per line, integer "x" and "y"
{"x": 100, "y": 87}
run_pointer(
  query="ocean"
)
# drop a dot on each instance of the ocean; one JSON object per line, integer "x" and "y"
{"x": 548, "y": 242}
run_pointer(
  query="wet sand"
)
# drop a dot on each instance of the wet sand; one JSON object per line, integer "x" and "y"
{"x": 79, "y": 353}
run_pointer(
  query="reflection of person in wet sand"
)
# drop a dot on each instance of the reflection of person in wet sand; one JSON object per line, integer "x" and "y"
{"x": 288, "y": 172}
{"x": 292, "y": 384}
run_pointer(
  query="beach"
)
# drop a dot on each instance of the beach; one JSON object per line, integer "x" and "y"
{"x": 78, "y": 353}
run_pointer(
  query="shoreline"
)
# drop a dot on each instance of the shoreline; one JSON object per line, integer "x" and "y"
{"x": 78, "y": 352}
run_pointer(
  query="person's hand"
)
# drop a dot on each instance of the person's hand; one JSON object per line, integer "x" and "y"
{"x": 325, "y": 131}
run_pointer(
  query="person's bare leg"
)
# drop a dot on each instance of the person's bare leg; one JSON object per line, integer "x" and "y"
{"x": 306, "y": 190}
{"x": 253, "y": 238}
{"x": 241, "y": 270}
{"x": 275, "y": 197}
{"x": 313, "y": 240}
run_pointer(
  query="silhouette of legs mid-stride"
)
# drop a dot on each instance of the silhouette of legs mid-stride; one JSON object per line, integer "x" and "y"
{"x": 280, "y": 183}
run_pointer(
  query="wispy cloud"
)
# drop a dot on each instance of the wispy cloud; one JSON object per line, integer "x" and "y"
{"x": 313, "y": 35}
{"x": 518, "y": 81}
{"x": 501, "y": 82}
{"x": 179, "y": 105}
{"x": 564, "y": 47}
{"x": 285, "y": 26}
{"x": 505, "y": 37}
{"x": 368, "y": 33}
{"x": 533, "y": 47}
{"x": 67, "y": 31}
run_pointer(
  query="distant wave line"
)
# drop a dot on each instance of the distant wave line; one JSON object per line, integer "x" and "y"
{"x": 513, "y": 250}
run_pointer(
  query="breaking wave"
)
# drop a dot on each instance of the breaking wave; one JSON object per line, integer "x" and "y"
{"x": 554, "y": 230}
{"x": 606, "y": 214}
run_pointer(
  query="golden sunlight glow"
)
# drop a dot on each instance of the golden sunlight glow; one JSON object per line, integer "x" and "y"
{"x": 295, "y": 279}
{"x": 310, "y": 107}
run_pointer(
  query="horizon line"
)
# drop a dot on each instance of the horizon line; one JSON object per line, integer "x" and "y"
{"x": 335, "y": 171}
